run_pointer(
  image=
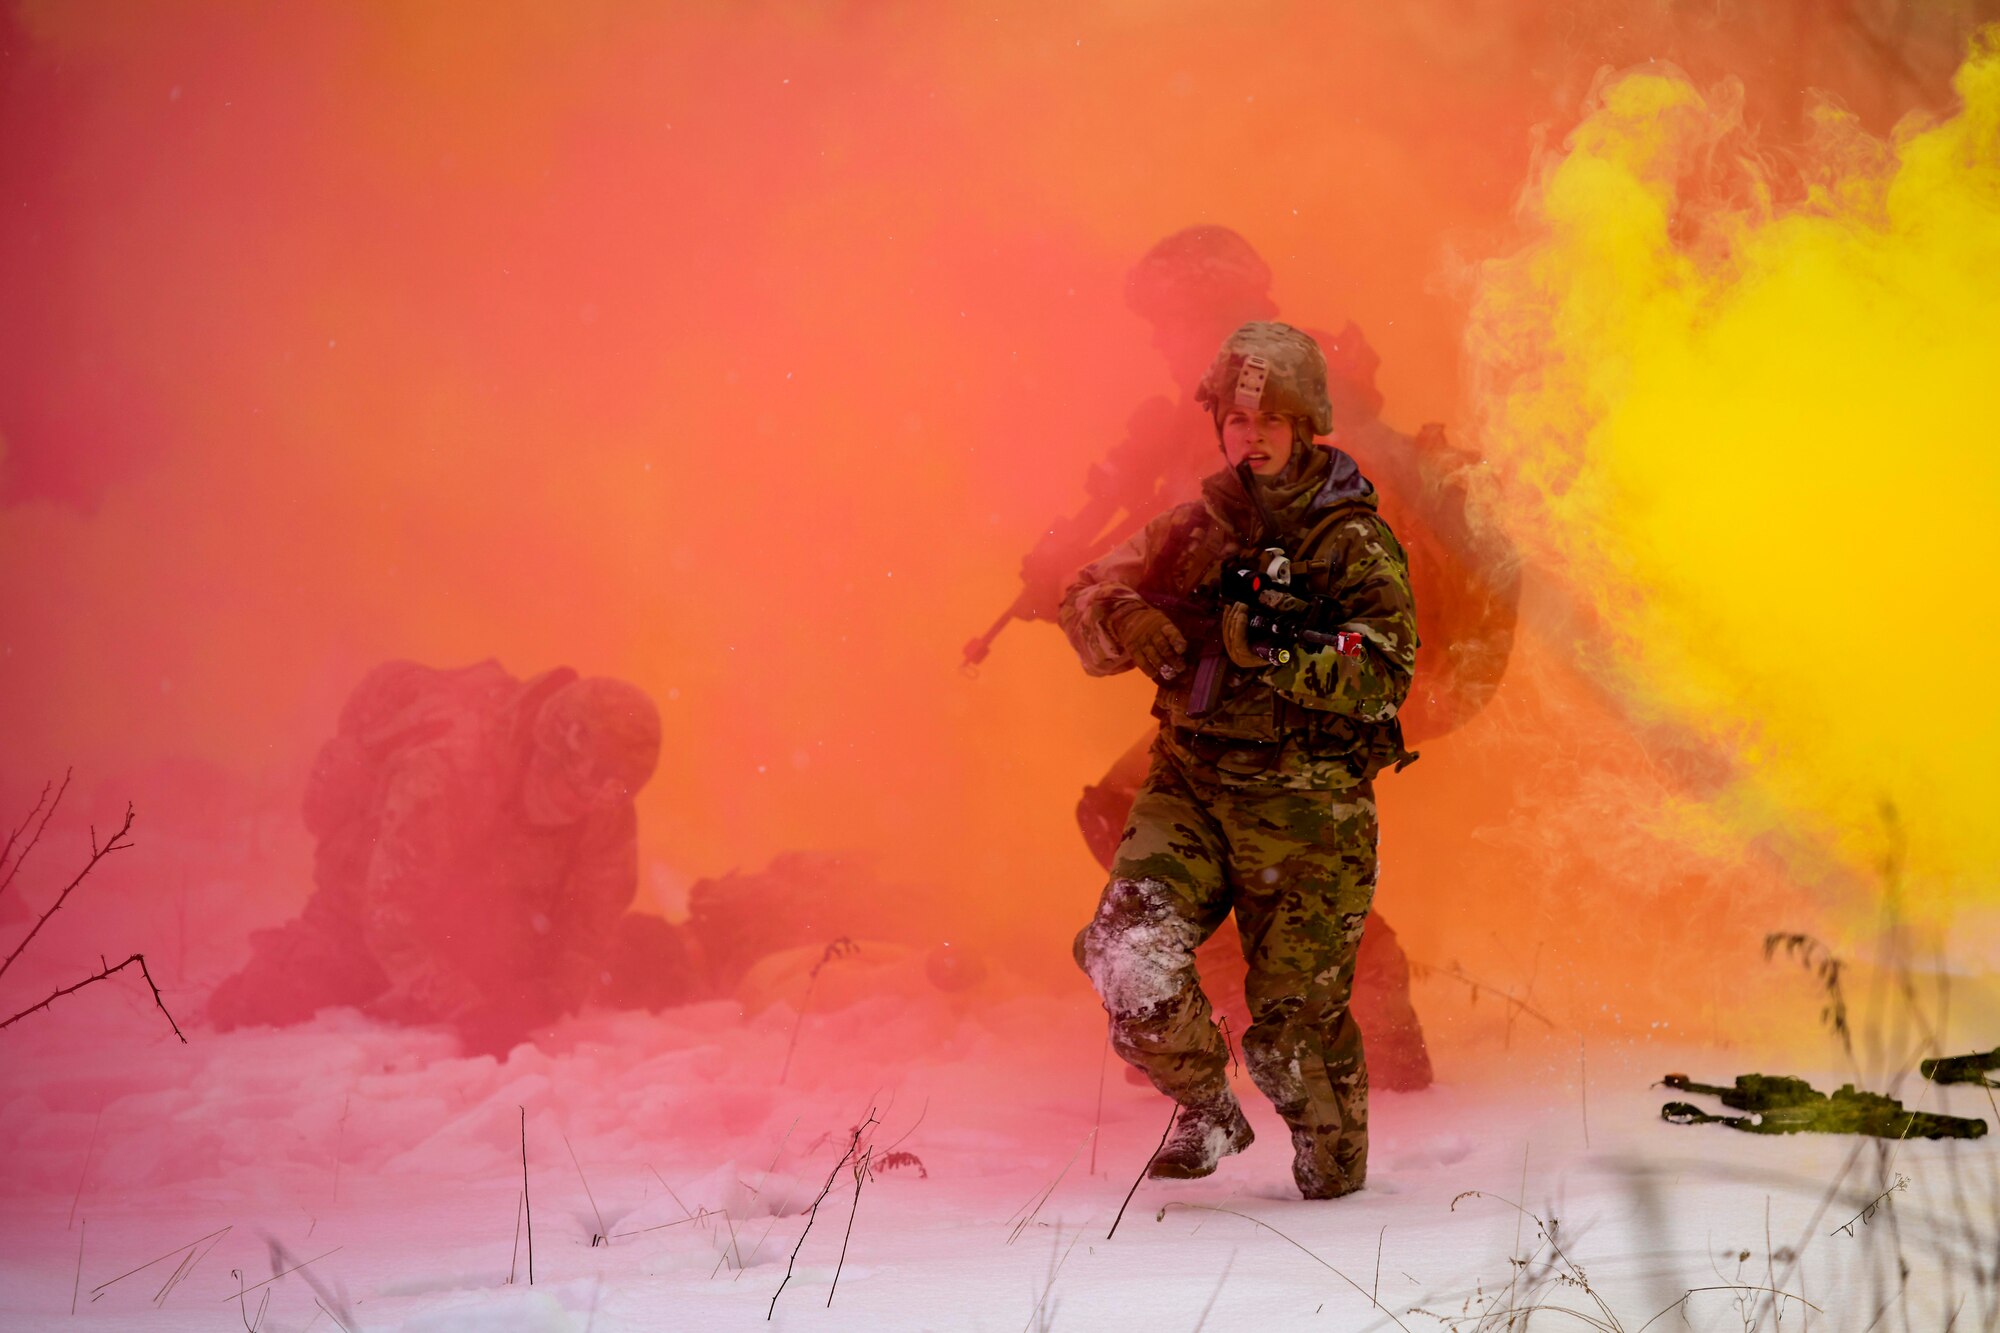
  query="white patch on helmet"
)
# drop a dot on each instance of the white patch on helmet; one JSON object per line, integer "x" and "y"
{"x": 1250, "y": 382}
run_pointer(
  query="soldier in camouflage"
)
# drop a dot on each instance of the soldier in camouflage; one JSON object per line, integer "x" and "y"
{"x": 477, "y": 854}
{"x": 1260, "y": 803}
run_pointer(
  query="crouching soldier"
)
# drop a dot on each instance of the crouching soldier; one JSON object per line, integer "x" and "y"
{"x": 1277, "y": 707}
{"x": 477, "y": 854}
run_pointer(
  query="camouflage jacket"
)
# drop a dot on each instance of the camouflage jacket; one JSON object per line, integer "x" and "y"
{"x": 1323, "y": 720}
{"x": 425, "y": 851}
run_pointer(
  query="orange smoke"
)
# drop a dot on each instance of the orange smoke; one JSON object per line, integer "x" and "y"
{"x": 736, "y": 353}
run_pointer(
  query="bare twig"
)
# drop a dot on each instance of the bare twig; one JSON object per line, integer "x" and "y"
{"x": 15, "y": 835}
{"x": 527, "y": 1206}
{"x": 116, "y": 843}
{"x": 1142, "y": 1173}
{"x": 102, "y": 974}
{"x": 853, "y": 1142}
{"x": 860, "y": 1177}
{"x": 76, "y": 1283}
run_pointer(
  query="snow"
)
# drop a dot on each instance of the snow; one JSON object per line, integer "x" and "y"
{"x": 381, "y": 1150}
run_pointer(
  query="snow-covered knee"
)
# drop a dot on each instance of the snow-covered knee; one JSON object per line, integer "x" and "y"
{"x": 1139, "y": 951}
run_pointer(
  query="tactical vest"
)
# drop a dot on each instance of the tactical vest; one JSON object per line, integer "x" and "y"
{"x": 1248, "y": 713}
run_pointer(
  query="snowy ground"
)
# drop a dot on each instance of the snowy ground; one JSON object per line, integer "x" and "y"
{"x": 396, "y": 1168}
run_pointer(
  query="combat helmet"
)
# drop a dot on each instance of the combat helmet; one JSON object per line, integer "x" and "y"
{"x": 1200, "y": 272}
{"x": 602, "y": 734}
{"x": 1269, "y": 367}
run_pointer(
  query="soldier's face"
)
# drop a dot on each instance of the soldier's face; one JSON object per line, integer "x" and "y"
{"x": 1261, "y": 439}
{"x": 563, "y": 787}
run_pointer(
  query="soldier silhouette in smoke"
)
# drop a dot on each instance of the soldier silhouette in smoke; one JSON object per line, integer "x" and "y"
{"x": 1194, "y": 288}
{"x": 477, "y": 854}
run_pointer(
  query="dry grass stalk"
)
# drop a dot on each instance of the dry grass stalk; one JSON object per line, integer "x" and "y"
{"x": 1423, "y": 971}
{"x": 1097, "y": 1122}
{"x": 842, "y": 947}
{"x": 76, "y": 1283}
{"x": 602, "y": 1235}
{"x": 1043, "y": 1197}
{"x": 1215, "y": 1295}
{"x": 334, "y": 1303}
{"x": 677, "y": 1222}
{"x": 84, "y": 1174}
{"x": 853, "y": 1143}
{"x": 1862, "y": 1218}
{"x": 106, "y": 1285}
{"x": 777, "y": 1210}
{"x": 1043, "y": 1317}
{"x": 249, "y": 1325}
{"x": 527, "y": 1205}
{"x": 1816, "y": 958}
{"x": 1212, "y": 1208}
{"x": 514, "y": 1255}
{"x": 287, "y": 1273}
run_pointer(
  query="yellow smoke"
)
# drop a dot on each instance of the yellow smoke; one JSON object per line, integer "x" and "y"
{"x": 1761, "y": 438}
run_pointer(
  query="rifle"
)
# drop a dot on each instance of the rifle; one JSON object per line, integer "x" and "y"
{"x": 1963, "y": 1068}
{"x": 1780, "y": 1105}
{"x": 1065, "y": 545}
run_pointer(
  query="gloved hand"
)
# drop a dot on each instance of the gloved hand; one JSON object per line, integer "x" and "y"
{"x": 1155, "y": 646}
{"x": 1236, "y": 637}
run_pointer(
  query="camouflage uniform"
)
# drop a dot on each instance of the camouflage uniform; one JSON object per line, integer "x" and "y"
{"x": 1262, "y": 806}
{"x": 477, "y": 854}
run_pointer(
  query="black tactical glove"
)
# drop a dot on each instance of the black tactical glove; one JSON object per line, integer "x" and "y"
{"x": 1155, "y": 646}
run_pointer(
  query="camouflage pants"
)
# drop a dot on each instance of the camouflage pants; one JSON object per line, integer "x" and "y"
{"x": 1298, "y": 870}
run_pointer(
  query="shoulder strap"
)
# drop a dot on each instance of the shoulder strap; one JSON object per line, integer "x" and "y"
{"x": 1340, "y": 511}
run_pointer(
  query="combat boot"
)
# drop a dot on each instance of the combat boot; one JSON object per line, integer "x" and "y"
{"x": 1320, "y": 1178}
{"x": 1202, "y": 1136}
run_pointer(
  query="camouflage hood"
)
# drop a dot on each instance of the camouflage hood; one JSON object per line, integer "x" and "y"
{"x": 1317, "y": 478}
